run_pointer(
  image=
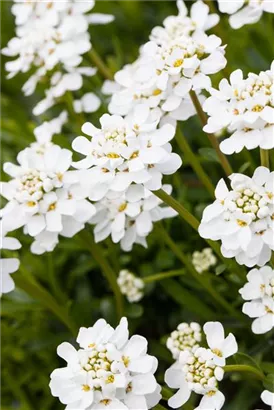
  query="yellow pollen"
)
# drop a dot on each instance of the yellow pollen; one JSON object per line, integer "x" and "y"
{"x": 236, "y": 112}
{"x": 241, "y": 223}
{"x": 272, "y": 217}
{"x": 158, "y": 72}
{"x": 129, "y": 388}
{"x": 60, "y": 176}
{"x": 85, "y": 387}
{"x": 110, "y": 379}
{"x": 126, "y": 360}
{"x": 236, "y": 93}
{"x": 70, "y": 196}
{"x": 105, "y": 170}
{"x": 91, "y": 345}
{"x": 157, "y": 91}
{"x": 257, "y": 108}
{"x": 150, "y": 166}
{"x": 260, "y": 233}
{"x": 31, "y": 203}
{"x": 268, "y": 310}
{"x": 136, "y": 127}
{"x": 134, "y": 155}
{"x": 122, "y": 207}
{"x": 52, "y": 207}
{"x": 222, "y": 202}
{"x": 270, "y": 195}
{"x": 211, "y": 393}
{"x": 217, "y": 352}
{"x": 105, "y": 402}
{"x": 113, "y": 155}
{"x": 178, "y": 62}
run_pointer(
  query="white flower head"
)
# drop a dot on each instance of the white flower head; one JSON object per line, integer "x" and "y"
{"x": 203, "y": 260}
{"x": 185, "y": 337}
{"x": 131, "y": 286}
{"x": 108, "y": 371}
{"x": 128, "y": 217}
{"x": 44, "y": 196}
{"x": 221, "y": 347}
{"x": 246, "y": 107}
{"x": 245, "y": 12}
{"x": 8, "y": 265}
{"x": 243, "y": 218}
{"x": 268, "y": 398}
{"x": 121, "y": 153}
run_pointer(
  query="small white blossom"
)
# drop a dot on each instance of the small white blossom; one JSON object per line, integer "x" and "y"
{"x": 128, "y": 217}
{"x": 176, "y": 26}
{"x": 8, "y": 265}
{"x": 203, "y": 260}
{"x": 243, "y": 218}
{"x": 44, "y": 132}
{"x": 109, "y": 371}
{"x": 121, "y": 153}
{"x": 246, "y": 107}
{"x": 260, "y": 291}
{"x": 244, "y": 12}
{"x": 185, "y": 337}
{"x": 268, "y": 398}
{"x": 131, "y": 286}
{"x": 44, "y": 196}
{"x": 200, "y": 370}
{"x": 88, "y": 103}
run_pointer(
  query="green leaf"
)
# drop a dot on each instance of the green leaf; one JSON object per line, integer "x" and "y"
{"x": 220, "y": 269}
{"x": 209, "y": 154}
{"x": 268, "y": 367}
{"x": 268, "y": 382}
{"x": 242, "y": 358}
{"x": 134, "y": 311}
{"x": 244, "y": 167}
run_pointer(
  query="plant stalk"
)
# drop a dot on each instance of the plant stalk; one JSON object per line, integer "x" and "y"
{"x": 213, "y": 140}
{"x": 244, "y": 368}
{"x": 163, "y": 275}
{"x": 99, "y": 63}
{"x": 264, "y": 154}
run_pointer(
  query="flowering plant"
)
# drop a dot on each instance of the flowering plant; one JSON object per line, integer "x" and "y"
{"x": 137, "y": 216}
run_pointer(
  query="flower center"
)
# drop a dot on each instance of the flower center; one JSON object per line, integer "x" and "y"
{"x": 200, "y": 371}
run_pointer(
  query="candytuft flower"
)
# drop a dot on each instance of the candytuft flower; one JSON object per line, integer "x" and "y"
{"x": 131, "y": 286}
{"x": 8, "y": 265}
{"x": 185, "y": 337}
{"x": 260, "y": 291}
{"x": 246, "y": 107}
{"x": 243, "y": 218}
{"x": 203, "y": 260}
{"x": 109, "y": 370}
{"x": 268, "y": 398}
{"x": 245, "y": 12}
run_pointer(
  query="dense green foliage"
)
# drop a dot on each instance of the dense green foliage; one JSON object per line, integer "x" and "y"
{"x": 59, "y": 292}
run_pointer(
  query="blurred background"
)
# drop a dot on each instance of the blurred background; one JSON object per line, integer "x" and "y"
{"x": 31, "y": 329}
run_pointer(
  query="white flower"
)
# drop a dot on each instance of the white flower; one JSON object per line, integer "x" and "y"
{"x": 260, "y": 284}
{"x": 243, "y": 218}
{"x": 131, "y": 286}
{"x": 246, "y": 107}
{"x": 88, "y": 103}
{"x": 128, "y": 217}
{"x": 203, "y": 260}
{"x": 43, "y": 195}
{"x": 108, "y": 371}
{"x": 8, "y": 265}
{"x": 245, "y": 12}
{"x": 120, "y": 154}
{"x": 47, "y": 129}
{"x": 185, "y": 337}
{"x": 175, "y": 26}
{"x": 263, "y": 311}
{"x": 221, "y": 347}
{"x": 268, "y": 398}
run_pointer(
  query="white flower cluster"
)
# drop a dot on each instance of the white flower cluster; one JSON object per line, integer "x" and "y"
{"x": 131, "y": 286}
{"x": 200, "y": 370}
{"x": 51, "y": 37}
{"x": 243, "y": 218}
{"x": 246, "y": 107}
{"x": 244, "y": 12}
{"x": 185, "y": 337}
{"x": 45, "y": 197}
{"x": 260, "y": 291}
{"x": 7, "y": 265}
{"x": 179, "y": 57}
{"x": 203, "y": 260}
{"x": 109, "y": 371}
{"x": 128, "y": 217}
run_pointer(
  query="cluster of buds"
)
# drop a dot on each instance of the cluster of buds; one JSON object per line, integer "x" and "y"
{"x": 130, "y": 286}
{"x": 185, "y": 337}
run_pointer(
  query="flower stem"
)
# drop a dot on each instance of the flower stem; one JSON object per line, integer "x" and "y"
{"x": 264, "y": 158}
{"x": 163, "y": 275}
{"x": 203, "y": 281}
{"x": 97, "y": 253}
{"x": 194, "y": 162}
{"x": 99, "y": 63}
{"x": 244, "y": 368}
{"x": 213, "y": 140}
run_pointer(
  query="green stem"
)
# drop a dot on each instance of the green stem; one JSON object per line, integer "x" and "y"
{"x": 194, "y": 162}
{"x": 17, "y": 391}
{"x": 201, "y": 279}
{"x": 59, "y": 294}
{"x": 163, "y": 275}
{"x": 264, "y": 158}
{"x": 213, "y": 140}
{"x": 244, "y": 368}
{"x": 36, "y": 291}
{"x": 99, "y": 63}
{"x": 97, "y": 253}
